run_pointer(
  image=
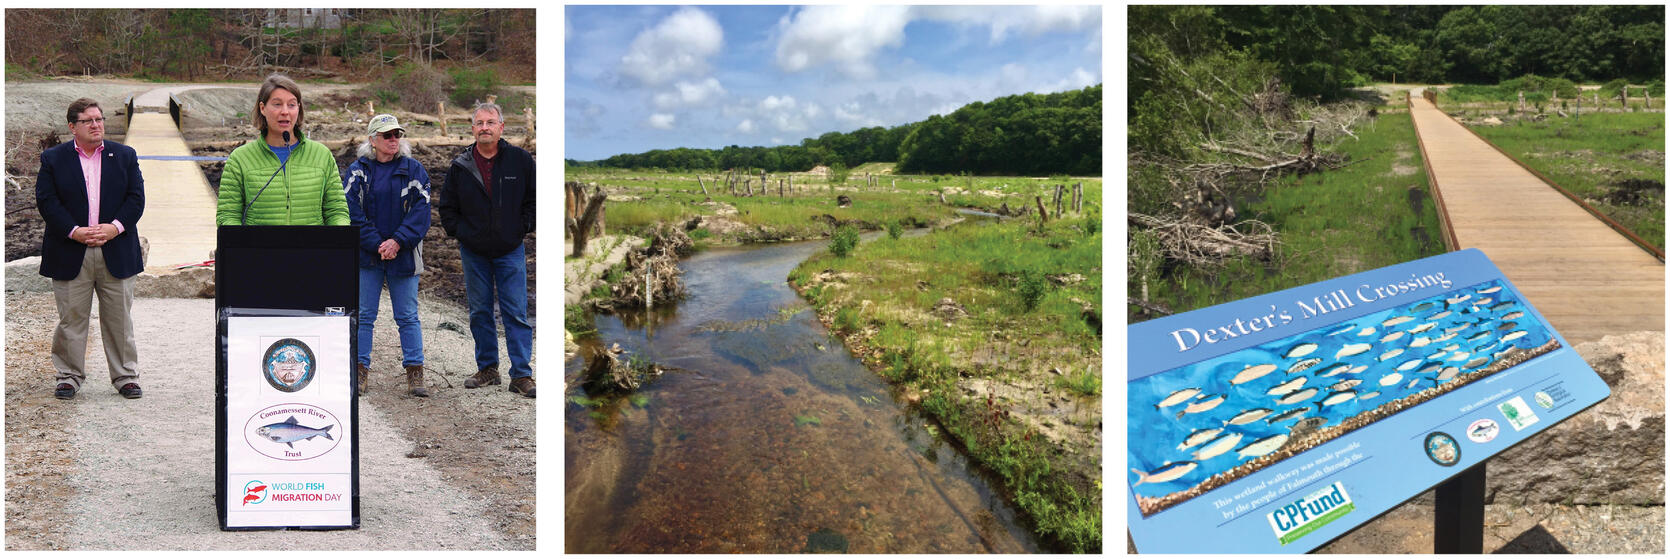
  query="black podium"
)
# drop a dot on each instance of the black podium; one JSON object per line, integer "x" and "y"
{"x": 286, "y": 420}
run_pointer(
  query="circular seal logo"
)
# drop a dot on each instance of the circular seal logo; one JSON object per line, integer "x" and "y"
{"x": 1443, "y": 449}
{"x": 1483, "y": 431}
{"x": 293, "y": 431}
{"x": 289, "y": 365}
{"x": 1544, "y": 400}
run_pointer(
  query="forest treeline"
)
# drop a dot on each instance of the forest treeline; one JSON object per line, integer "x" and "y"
{"x": 1186, "y": 61}
{"x": 196, "y": 44}
{"x": 1028, "y": 134}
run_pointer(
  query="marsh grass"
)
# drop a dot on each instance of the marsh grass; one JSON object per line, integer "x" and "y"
{"x": 1374, "y": 212}
{"x": 1588, "y": 155}
{"x": 888, "y": 310}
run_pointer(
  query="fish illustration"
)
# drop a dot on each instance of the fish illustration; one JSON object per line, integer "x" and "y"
{"x": 1391, "y": 379}
{"x": 1248, "y": 416}
{"x": 1369, "y": 396}
{"x": 1484, "y": 429}
{"x": 1251, "y": 373}
{"x": 1448, "y": 348}
{"x": 1199, "y": 436}
{"x": 1412, "y": 383}
{"x": 1391, "y": 336}
{"x": 1343, "y": 329}
{"x": 1485, "y": 347}
{"x": 1514, "y": 335}
{"x": 1483, "y": 302}
{"x": 1342, "y": 368}
{"x": 1458, "y": 298}
{"x": 1390, "y": 354}
{"x": 1448, "y": 373}
{"x": 1502, "y": 306}
{"x": 1351, "y": 349}
{"x": 1446, "y": 337}
{"x": 1455, "y": 329}
{"x": 1299, "y": 396}
{"x": 1423, "y": 307}
{"x": 1304, "y": 364}
{"x": 1344, "y": 384}
{"x": 1204, "y": 405}
{"x": 289, "y": 432}
{"x": 1431, "y": 367}
{"x": 1422, "y": 327}
{"x": 1410, "y": 364}
{"x": 248, "y": 498}
{"x": 1262, "y": 446}
{"x": 1420, "y": 342}
{"x": 1369, "y": 331}
{"x": 1287, "y": 415}
{"x": 1499, "y": 354}
{"x": 1287, "y": 387}
{"x": 1475, "y": 363}
{"x": 1478, "y": 336}
{"x": 1440, "y": 315}
{"x": 1167, "y": 472}
{"x": 1506, "y": 325}
{"x": 1338, "y": 398}
{"x": 1177, "y": 397}
{"x": 1396, "y": 320}
{"x": 1459, "y": 356}
{"x": 1359, "y": 369}
{"x": 1219, "y": 446}
{"x": 1300, "y": 350}
{"x": 1513, "y": 315}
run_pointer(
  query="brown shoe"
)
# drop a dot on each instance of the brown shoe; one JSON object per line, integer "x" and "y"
{"x": 483, "y": 377}
{"x": 363, "y": 377}
{"x": 522, "y": 385}
{"x": 414, "y": 381}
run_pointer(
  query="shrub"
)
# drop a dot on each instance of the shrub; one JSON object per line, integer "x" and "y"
{"x": 470, "y": 86}
{"x": 419, "y": 86}
{"x": 1033, "y": 286}
{"x": 895, "y": 229}
{"x": 844, "y": 240}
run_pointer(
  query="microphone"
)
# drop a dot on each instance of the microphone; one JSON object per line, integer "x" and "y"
{"x": 245, "y": 219}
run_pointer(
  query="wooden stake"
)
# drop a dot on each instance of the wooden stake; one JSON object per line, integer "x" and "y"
{"x": 440, "y": 115}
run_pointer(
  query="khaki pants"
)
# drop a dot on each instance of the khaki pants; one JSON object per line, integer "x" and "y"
{"x": 75, "y": 306}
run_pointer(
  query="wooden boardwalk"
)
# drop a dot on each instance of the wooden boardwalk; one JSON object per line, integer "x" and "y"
{"x": 1586, "y": 278}
{"x": 179, "y": 218}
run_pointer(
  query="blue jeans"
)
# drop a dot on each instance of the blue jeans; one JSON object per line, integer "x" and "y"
{"x": 403, "y": 297}
{"x": 505, "y": 279}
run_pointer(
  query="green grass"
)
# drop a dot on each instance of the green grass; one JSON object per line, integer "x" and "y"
{"x": 1590, "y": 154}
{"x": 1359, "y": 217}
{"x": 887, "y": 310}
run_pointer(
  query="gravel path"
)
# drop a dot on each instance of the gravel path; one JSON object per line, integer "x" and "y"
{"x": 141, "y": 472}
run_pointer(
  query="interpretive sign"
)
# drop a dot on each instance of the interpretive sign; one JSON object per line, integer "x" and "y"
{"x": 1280, "y": 422}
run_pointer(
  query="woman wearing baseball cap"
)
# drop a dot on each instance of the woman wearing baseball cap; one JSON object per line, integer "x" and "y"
{"x": 388, "y": 200}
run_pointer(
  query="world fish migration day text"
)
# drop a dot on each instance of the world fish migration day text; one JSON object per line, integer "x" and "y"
{"x": 1332, "y": 301}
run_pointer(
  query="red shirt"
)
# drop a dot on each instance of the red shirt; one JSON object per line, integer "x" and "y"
{"x": 486, "y": 166}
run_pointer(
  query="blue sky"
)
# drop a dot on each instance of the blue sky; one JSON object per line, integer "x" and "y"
{"x": 656, "y": 77}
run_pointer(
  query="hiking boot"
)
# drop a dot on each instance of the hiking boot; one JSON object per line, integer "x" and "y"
{"x": 363, "y": 377}
{"x": 522, "y": 385}
{"x": 65, "y": 391}
{"x": 483, "y": 377}
{"x": 414, "y": 381}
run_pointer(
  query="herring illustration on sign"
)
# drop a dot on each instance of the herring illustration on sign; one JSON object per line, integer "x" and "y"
{"x": 289, "y": 431}
{"x": 1203, "y": 425}
{"x": 289, "y": 365}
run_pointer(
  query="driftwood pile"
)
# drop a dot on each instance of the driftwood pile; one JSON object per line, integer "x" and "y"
{"x": 1206, "y": 246}
{"x": 652, "y": 274}
{"x": 607, "y": 373}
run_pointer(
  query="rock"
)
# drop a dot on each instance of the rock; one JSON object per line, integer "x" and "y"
{"x": 843, "y": 201}
{"x": 191, "y": 283}
{"x": 144, "y": 252}
{"x": 949, "y": 309}
{"x": 24, "y": 275}
{"x": 1611, "y": 453}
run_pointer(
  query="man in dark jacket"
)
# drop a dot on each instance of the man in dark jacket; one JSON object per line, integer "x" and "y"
{"x": 488, "y": 205}
{"x": 91, "y": 195}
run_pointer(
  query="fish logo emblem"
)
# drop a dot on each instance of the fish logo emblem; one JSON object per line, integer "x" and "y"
{"x": 255, "y": 492}
{"x": 290, "y": 431}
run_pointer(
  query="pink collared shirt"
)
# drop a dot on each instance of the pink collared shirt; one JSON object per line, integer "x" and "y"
{"x": 92, "y": 168}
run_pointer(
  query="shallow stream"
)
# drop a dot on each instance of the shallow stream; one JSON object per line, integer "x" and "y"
{"x": 771, "y": 438}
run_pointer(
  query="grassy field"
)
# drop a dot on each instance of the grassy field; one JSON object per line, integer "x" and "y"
{"x": 1027, "y": 295}
{"x": 1374, "y": 212}
{"x": 640, "y": 199}
{"x": 1614, "y": 161}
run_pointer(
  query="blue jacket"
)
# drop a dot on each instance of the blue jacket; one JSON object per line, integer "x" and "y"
{"x": 412, "y": 182}
{"x": 61, "y": 197}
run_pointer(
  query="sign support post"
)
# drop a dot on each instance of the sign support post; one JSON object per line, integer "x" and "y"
{"x": 1458, "y": 516}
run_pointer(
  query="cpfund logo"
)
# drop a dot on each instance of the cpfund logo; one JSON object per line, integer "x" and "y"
{"x": 1310, "y": 513}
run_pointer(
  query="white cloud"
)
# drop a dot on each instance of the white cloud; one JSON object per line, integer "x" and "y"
{"x": 746, "y": 126}
{"x": 1079, "y": 79}
{"x": 690, "y": 94}
{"x": 847, "y": 37}
{"x": 1029, "y": 20}
{"x": 661, "y": 120}
{"x": 679, "y": 46}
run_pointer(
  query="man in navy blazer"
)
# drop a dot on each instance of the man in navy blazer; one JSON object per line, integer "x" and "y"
{"x": 91, "y": 195}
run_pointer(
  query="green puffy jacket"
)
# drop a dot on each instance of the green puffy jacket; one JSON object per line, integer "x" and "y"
{"x": 308, "y": 192}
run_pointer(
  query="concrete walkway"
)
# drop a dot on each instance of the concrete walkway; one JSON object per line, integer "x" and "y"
{"x": 1589, "y": 280}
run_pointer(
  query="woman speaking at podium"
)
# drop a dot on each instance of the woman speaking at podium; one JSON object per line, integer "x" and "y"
{"x": 285, "y": 178}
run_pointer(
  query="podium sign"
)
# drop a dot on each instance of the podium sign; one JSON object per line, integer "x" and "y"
{"x": 1280, "y": 422}
{"x": 287, "y": 425}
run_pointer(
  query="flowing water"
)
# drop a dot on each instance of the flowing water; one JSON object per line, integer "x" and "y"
{"x": 769, "y": 438}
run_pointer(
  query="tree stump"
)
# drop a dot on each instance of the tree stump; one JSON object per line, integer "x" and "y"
{"x": 590, "y": 221}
